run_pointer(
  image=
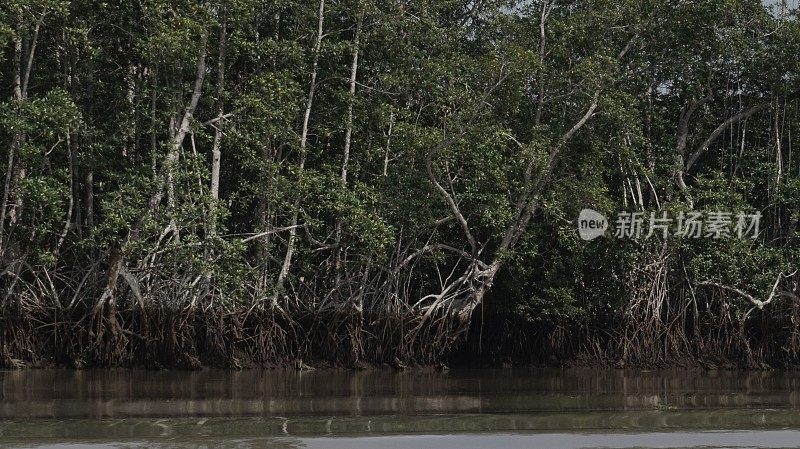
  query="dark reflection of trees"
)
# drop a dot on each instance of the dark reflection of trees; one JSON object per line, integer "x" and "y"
{"x": 275, "y": 394}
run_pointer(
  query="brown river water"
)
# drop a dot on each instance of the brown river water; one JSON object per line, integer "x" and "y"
{"x": 459, "y": 409}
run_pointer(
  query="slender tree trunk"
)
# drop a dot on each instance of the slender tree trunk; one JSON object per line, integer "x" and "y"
{"x": 179, "y": 133}
{"x": 388, "y": 145}
{"x": 153, "y": 127}
{"x": 264, "y": 210}
{"x": 218, "y": 127}
{"x": 21, "y": 77}
{"x": 88, "y": 202}
{"x": 348, "y": 137}
{"x": 546, "y": 8}
{"x": 211, "y": 220}
{"x": 71, "y": 202}
{"x": 290, "y": 245}
{"x": 352, "y": 97}
{"x": 31, "y": 53}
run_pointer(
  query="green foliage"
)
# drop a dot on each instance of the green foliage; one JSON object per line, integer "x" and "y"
{"x": 462, "y": 117}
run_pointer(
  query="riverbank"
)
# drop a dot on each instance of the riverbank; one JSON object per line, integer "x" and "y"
{"x": 163, "y": 338}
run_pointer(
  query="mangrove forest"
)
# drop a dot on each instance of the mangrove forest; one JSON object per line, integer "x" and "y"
{"x": 355, "y": 183}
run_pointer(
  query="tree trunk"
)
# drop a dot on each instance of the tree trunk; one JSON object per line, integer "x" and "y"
{"x": 218, "y": 126}
{"x": 348, "y": 137}
{"x": 352, "y": 98}
{"x": 388, "y": 145}
{"x": 88, "y": 202}
{"x": 290, "y": 245}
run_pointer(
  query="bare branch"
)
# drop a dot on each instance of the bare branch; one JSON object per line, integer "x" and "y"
{"x": 756, "y": 302}
{"x": 716, "y": 133}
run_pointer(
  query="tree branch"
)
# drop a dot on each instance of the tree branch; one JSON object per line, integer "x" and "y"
{"x": 756, "y": 302}
{"x": 716, "y": 133}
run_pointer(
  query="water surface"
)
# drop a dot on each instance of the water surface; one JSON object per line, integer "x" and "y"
{"x": 509, "y": 408}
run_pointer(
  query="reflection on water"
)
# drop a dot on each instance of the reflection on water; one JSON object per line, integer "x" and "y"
{"x": 133, "y": 393}
{"x": 400, "y": 409}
